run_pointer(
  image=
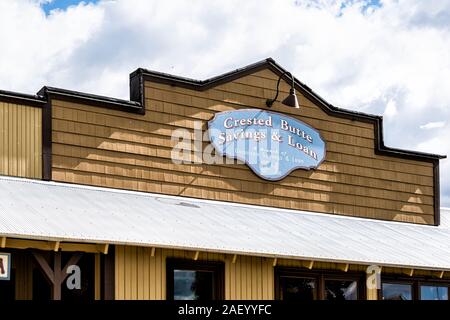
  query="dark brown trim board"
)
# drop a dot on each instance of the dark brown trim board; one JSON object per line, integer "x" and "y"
{"x": 108, "y": 274}
{"x": 436, "y": 193}
{"x": 137, "y": 91}
{"x": 47, "y": 140}
{"x": 21, "y": 98}
{"x": 91, "y": 99}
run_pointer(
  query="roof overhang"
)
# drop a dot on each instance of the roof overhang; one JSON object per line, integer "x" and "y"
{"x": 59, "y": 212}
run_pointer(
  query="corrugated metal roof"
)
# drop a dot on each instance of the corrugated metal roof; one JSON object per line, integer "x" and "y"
{"x": 55, "y": 211}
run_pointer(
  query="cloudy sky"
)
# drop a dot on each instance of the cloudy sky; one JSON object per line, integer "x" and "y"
{"x": 383, "y": 57}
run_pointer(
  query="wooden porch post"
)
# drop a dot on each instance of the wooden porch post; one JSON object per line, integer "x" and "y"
{"x": 56, "y": 289}
{"x": 56, "y": 276}
{"x": 108, "y": 275}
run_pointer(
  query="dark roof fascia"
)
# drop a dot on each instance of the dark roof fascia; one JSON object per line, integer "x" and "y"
{"x": 21, "y": 98}
{"x": 91, "y": 99}
{"x": 201, "y": 85}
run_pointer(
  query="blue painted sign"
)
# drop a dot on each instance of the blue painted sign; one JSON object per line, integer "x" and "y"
{"x": 271, "y": 144}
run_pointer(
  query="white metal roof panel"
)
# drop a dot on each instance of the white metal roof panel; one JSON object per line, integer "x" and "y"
{"x": 33, "y": 209}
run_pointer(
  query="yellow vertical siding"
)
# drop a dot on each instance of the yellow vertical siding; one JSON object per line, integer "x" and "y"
{"x": 139, "y": 276}
{"x": 20, "y": 140}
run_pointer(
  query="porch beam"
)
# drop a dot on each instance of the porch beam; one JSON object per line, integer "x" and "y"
{"x": 44, "y": 245}
{"x": 57, "y": 275}
{"x": 79, "y": 247}
{"x": 30, "y": 244}
{"x": 44, "y": 266}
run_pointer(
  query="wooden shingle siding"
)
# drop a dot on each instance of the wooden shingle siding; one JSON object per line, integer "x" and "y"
{"x": 20, "y": 140}
{"x": 110, "y": 148}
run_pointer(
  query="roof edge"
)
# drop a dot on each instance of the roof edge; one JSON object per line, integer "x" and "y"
{"x": 22, "y": 98}
{"x": 91, "y": 99}
{"x": 269, "y": 63}
{"x": 136, "y": 104}
{"x": 230, "y": 251}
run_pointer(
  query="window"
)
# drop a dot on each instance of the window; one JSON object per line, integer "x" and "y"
{"x": 401, "y": 288}
{"x": 294, "y": 284}
{"x": 341, "y": 290}
{"x": 194, "y": 280}
{"x": 295, "y": 288}
{"x": 396, "y": 291}
{"x": 433, "y": 292}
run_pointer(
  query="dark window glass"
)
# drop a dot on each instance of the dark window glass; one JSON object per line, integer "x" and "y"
{"x": 194, "y": 280}
{"x": 341, "y": 290}
{"x": 193, "y": 285}
{"x": 42, "y": 291}
{"x": 433, "y": 293}
{"x": 293, "y": 288}
{"x": 397, "y": 291}
{"x": 8, "y": 288}
{"x": 87, "y": 282}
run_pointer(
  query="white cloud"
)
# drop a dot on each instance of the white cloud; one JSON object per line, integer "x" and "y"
{"x": 393, "y": 60}
{"x": 433, "y": 125}
{"x": 391, "y": 109}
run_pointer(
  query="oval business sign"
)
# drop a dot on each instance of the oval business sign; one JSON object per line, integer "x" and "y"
{"x": 271, "y": 144}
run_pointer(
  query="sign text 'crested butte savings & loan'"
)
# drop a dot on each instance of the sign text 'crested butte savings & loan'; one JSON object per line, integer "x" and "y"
{"x": 271, "y": 144}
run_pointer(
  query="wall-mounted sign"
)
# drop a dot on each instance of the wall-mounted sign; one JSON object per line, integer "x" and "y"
{"x": 271, "y": 144}
{"x": 5, "y": 266}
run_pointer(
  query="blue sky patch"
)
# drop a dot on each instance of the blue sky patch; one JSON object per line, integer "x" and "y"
{"x": 62, "y": 4}
{"x": 375, "y": 4}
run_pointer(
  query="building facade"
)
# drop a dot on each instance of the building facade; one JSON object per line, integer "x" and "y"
{"x": 123, "y": 191}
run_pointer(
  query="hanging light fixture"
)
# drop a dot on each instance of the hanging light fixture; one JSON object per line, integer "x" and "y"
{"x": 291, "y": 100}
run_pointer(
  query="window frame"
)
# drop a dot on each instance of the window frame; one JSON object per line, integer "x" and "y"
{"x": 429, "y": 283}
{"x": 401, "y": 282}
{"x": 217, "y": 267}
{"x": 416, "y": 283}
{"x": 320, "y": 275}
